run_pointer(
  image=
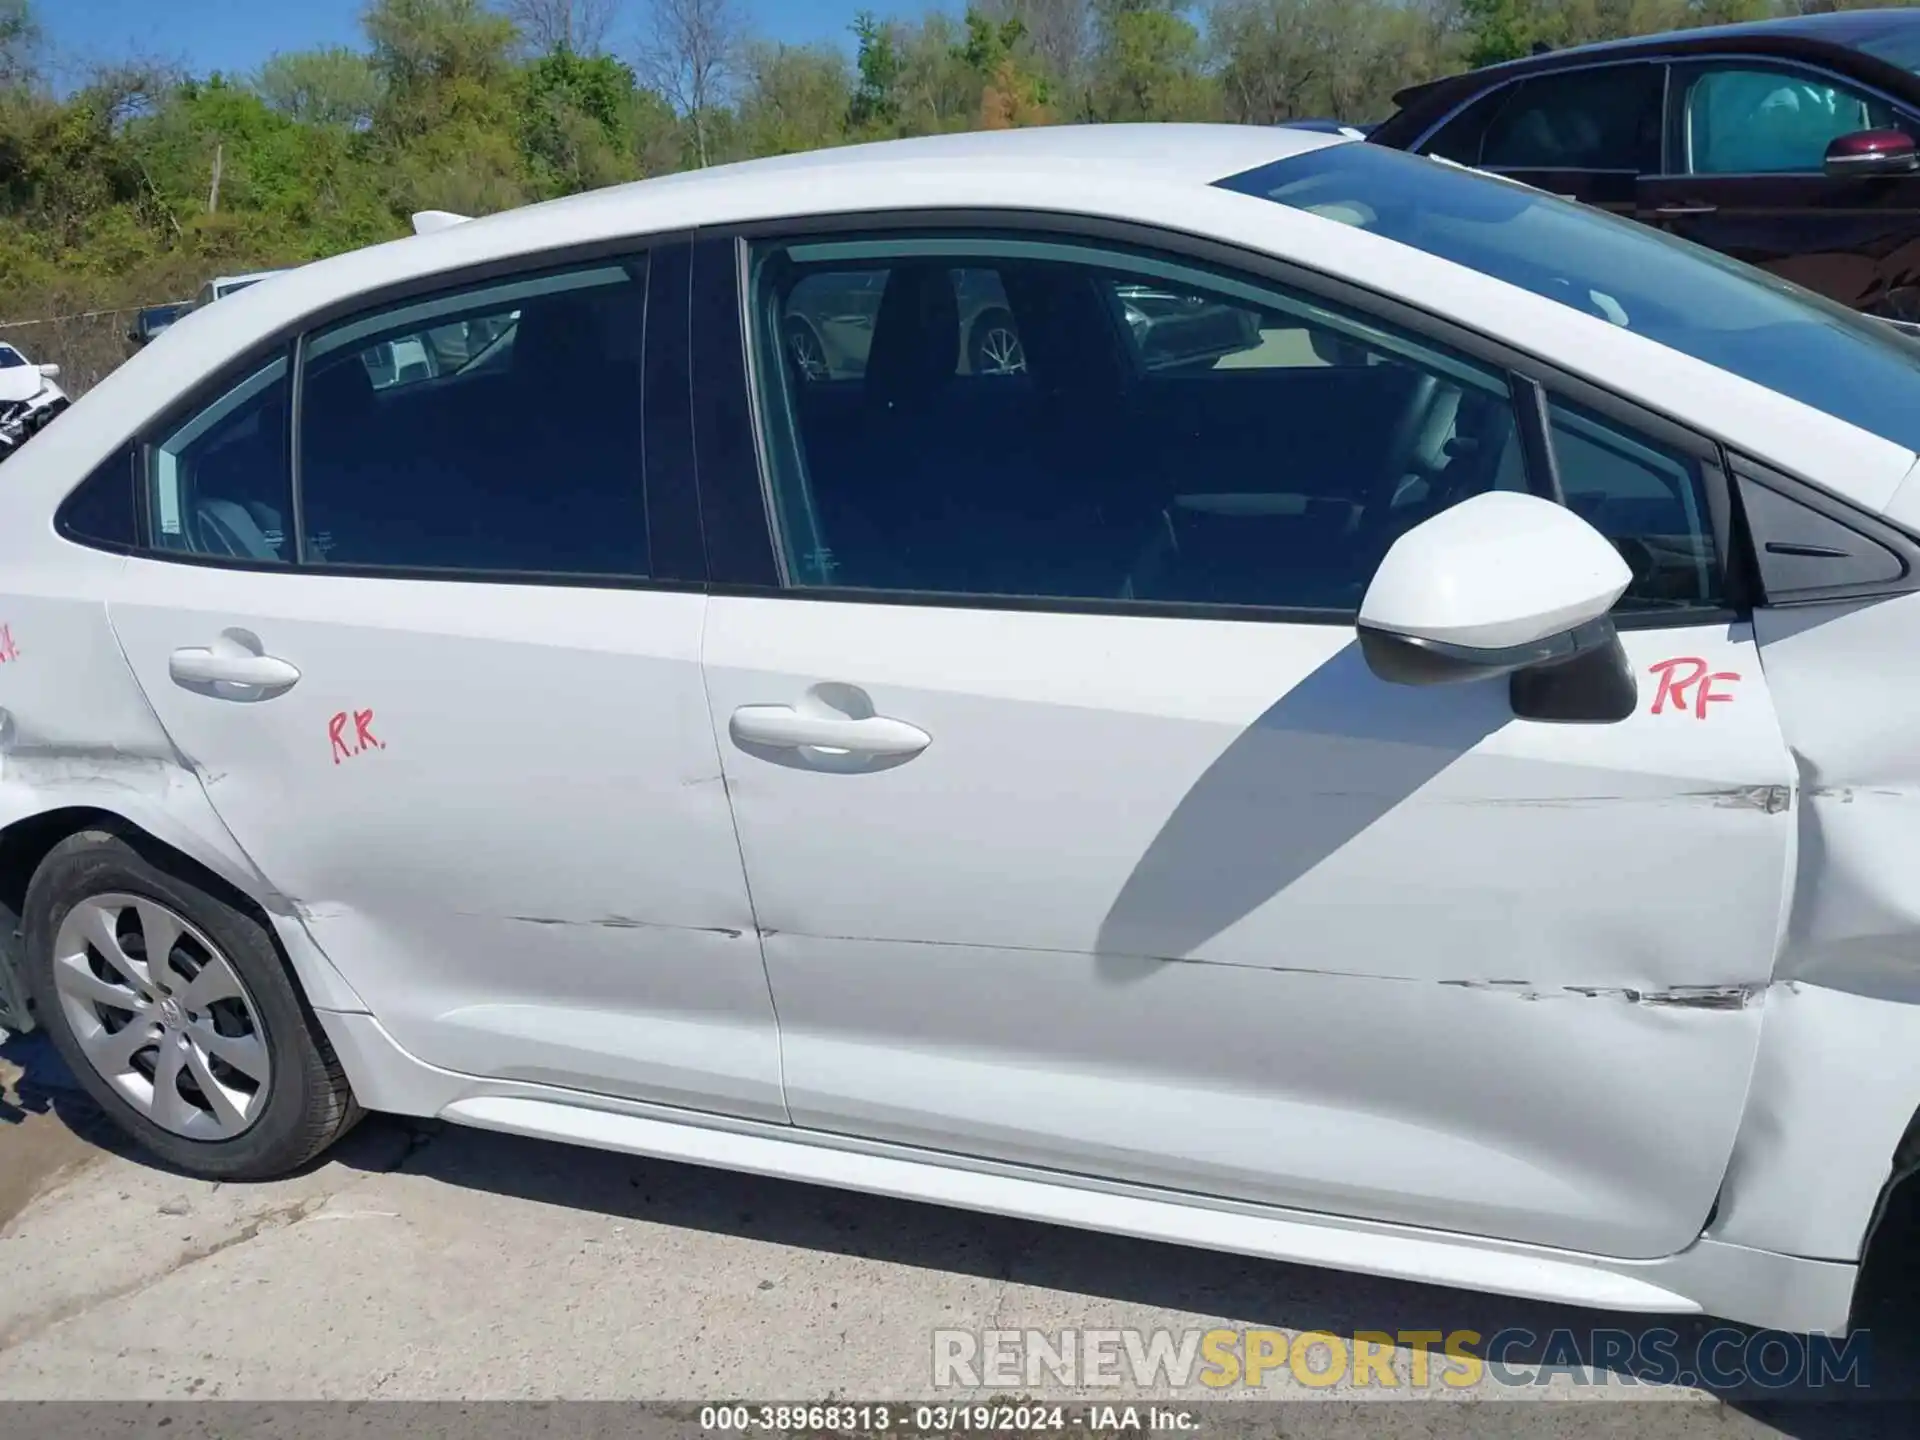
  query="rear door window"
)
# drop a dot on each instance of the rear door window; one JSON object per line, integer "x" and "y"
{"x": 1603, "y": 118}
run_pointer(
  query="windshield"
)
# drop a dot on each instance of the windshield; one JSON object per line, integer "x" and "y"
{"x": 10, "y": 358}
{"x": 1641, "y": 279}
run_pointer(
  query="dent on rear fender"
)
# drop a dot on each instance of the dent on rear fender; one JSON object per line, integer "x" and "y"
{"x": 77, "y": 733}
{"x": 1837, "y": 1079}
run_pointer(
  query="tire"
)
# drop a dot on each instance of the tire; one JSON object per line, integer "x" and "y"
{"x": 223, "y": 1024}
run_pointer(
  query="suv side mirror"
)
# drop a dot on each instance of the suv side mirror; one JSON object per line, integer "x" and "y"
{"x": 1871, "y": 152}
{"x": 1503, "y": 584}
{"x": 51, "y": 372}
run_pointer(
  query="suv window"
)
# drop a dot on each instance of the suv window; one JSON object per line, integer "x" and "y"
{"x": 495, "y": 428}
{"x": 1758, "y": 120}
{"x": 1604, "y": 118}
{"x": 218, "y": 485}
{"x": 1176, "y": 435}
{"x": 1460, "y": 138}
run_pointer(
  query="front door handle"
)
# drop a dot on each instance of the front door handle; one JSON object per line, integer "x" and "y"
{"x": 782, "y": 727}
{"x": 209, "y": 667}
{"x": 1685, "y": 209}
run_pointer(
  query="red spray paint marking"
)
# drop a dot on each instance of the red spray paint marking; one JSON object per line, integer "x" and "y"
{"x": 363, "y": 737}
{"x": 1686, "y": 672}
{"x": 8, "y": 650}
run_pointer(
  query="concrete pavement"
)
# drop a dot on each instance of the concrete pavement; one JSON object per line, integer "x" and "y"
{"x": 422, "y": 1262}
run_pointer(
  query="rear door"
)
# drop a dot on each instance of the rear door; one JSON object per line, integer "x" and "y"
{"x": 1080, "y": 833}
{"x": 443, "y": 685}
{"x": 1747, "y": 139}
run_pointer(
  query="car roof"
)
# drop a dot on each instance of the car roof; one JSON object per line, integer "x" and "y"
{"x": 1199, "y": 153}
{"x": 1811, "y": 35}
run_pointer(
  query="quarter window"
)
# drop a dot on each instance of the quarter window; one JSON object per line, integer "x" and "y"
{"x": 1760, "y": 121}
{"x": 1170, "y": 434}
{"x": 492, "y": 429}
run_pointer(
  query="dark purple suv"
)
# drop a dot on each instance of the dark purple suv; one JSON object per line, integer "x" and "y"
{"x": 1788, "y": 143}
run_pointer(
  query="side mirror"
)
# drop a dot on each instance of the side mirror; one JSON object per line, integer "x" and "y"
{"x": 1504, "y": 584}
{"x": 51, "y": 372}
{"x": 1871, "y": 152}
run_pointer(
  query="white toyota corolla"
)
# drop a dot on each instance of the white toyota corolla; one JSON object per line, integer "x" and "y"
{"x": 1375, "y": 728}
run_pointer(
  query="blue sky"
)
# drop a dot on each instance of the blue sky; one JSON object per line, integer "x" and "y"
{"x": 236, "y": 35}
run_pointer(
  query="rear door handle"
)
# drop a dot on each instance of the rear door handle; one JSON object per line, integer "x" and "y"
{"x": 1686, "y": 209}
{"x": 207, "y": 667}
{"x": 784, "y": 728}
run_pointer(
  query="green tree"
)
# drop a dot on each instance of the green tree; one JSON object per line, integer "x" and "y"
{"x": 795, "y": 97}
{"x": 1147, "y": 63}
{"x": 875, "y": 107}
{"x": 576, "y": 122}
{"x": 1498, "y": 30}
{"x": 336, "y": 86}
{"x": 19, "y": 43}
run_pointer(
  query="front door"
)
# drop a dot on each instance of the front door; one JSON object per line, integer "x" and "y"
{"x": 1748, "y": 140}
{"x": 1081, "y": 835}
{"x": 442, "y": 706}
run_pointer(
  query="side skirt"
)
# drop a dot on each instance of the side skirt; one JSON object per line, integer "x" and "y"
{"x": 1752, "y": 1286}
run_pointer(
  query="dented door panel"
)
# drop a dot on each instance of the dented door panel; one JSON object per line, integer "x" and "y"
{"x": 76, "y": 734}
{"x": 496, "y": 807}
{"x": 1838, "y": 1079}
{"x": 1206, "y": 905}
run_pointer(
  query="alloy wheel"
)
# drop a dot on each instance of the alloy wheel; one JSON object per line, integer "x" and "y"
{"x": 1001, "y": 352}
{"x": 162, "y": 1016}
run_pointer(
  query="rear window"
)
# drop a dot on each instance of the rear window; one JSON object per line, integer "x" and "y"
{"x": 1694, "y": 300}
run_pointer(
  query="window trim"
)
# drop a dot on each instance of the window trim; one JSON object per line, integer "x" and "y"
{"x": 1518, "y": 366}
{"x": 289, "y": 343}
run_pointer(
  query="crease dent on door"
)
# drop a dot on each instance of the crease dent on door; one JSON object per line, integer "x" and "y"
{"x": 1837, "y": 1080}
{"x": 1212, "y": 908}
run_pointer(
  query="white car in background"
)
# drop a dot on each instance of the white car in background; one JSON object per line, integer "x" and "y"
{"x": 29, "y": 398}
{"x": 222, "y": 286}
{"x": 1431, "y": 791}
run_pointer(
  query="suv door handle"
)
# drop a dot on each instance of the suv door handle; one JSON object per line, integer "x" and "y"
{"x": 1678, "y": 209}
{"x": 784, "y": 728}
{"x": 207, "y": 667}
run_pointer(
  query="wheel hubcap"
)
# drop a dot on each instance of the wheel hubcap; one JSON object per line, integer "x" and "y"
{"x": 162, "y": 1016}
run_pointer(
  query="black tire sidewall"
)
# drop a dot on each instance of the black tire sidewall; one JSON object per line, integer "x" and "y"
{"x": 97, "y": 862}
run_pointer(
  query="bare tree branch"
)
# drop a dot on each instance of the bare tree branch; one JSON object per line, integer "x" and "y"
{"x": 689, "y": 55}
{"x": 580, "y": 26}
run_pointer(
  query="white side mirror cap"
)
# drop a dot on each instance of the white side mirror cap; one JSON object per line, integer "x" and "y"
{"x": 1499, "y": 572}
{"x": 51, "y": 372}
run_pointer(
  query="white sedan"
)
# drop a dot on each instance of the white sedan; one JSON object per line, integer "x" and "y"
{"x": 29, "y": 398}
{"x": 1404, "y": 763}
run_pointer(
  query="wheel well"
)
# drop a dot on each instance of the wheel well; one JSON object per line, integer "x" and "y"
{"x": 1890, "y": 1251}
{"x": 25, "y": 843}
